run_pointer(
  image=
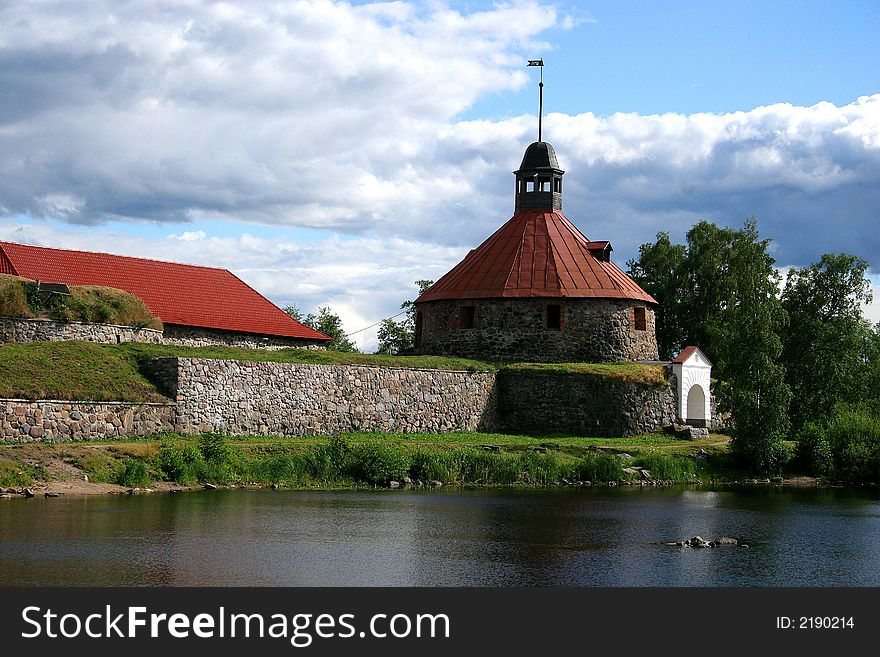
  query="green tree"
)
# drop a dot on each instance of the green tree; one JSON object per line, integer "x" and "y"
{"x": 720, "y": 291}
{"x": 747, "y": 337}
{"x": 825, "y": 345}
{"x": 396, "y": 337}
{"x": 328, "y": 323}
{"x": 658, "y": 271}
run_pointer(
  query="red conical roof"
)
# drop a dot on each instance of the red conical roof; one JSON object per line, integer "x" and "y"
{"x": 538, "y": 253}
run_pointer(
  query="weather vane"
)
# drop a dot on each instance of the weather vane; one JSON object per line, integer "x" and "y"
{"x": 539, "y": 62}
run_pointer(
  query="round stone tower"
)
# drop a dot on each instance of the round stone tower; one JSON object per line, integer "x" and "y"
{"x": 537, "y": 289}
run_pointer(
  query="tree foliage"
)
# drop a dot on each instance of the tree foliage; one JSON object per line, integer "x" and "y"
{"x": 326, "y": 322}
{"x": 397, "y": 337}
{"x": 719, "y": 291}
{"x": 828, "y": 345}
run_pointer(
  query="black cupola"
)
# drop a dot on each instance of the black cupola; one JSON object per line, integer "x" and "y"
{"x": 539, "y": 179}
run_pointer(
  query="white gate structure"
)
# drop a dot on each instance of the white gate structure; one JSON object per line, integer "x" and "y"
{"x": 693, "y": 374}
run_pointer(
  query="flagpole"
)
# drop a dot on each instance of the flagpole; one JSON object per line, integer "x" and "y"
{"x": 540, "y": 103}
{"x": 539, "y": 62}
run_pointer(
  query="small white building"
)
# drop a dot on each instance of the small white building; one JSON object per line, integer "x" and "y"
{"x": 693, "y": 375}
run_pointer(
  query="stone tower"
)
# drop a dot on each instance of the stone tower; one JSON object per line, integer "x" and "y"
{"x": 537, "y": 289}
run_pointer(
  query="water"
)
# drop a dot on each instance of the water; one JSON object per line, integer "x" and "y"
{"x": 584, "y": 537}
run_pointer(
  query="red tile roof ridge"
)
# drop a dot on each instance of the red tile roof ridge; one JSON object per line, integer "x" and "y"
{"x": 178, "y": 293}
{"x": 114, "y": 255}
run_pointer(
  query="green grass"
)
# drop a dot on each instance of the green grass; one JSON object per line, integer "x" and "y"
{"x": 72, "y": 370}
{"x": 632, "y": 372}
{"x": 141, "y": 353}
{"x": 18, "y": 474}
{"x": 91, "y": 372}
{"x": 356, "y": 460}
{"x": 85, "y": 303}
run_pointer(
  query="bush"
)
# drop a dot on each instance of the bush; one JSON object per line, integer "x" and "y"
{"x": 214, "y": 448}
{"x": 329, "y": 462}
{"x": 813, "y": 450}
{"x": 134, "y": 474}
{"x": 184, "y": 465}
{"x": 854, "y": 439}
{"x": 379, "y": 463}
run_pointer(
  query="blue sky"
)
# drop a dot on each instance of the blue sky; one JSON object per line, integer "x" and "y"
{"x": 332, "y": 153}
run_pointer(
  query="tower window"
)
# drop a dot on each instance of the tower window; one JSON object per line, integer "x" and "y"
{"x": 466, "y": 317}
{"x": 530, "y": 185}
{"x": 640, "y": 322}
{"x": 557, "y": 184}
{"x": 545, "y": 185}
{"x": 554, "y": 317}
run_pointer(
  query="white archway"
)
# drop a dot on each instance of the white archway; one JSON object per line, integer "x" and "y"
{"x": 693, "y": 376}
{"x": 696, "y": 405}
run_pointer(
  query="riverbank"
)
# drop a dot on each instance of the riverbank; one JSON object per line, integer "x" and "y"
{"x": 170, "y": 462}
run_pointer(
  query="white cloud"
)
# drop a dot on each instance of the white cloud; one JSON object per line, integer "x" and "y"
{"x": 189, "y": 236}
{"x": 363, "y": 280}
{"x": 344, "y": 118}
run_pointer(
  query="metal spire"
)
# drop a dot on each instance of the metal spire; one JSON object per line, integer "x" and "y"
{"x": 540, "y": 63}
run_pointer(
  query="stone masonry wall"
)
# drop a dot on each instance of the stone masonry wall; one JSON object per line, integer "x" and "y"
{"x": 241, "y": 398}
{"x": 189, "y": 336}
{"x": 28, "y": 421}
{"x": 16, "y": 329}
{"x": 583, "y": 406}
{"x": 516, "y": 329}
{"x": 285, "y": 399}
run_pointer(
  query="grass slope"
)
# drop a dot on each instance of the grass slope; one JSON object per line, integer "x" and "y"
{"x": 355, "y": 460}
{"x": 91, "y": 372}
{"x": 86, "y": 303}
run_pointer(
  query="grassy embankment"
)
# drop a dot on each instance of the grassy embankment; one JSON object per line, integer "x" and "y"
{"x": 85, "y": 371}
{"x": 92, "y": 372}
{"x": 357, "y": 460}
{"x": 19, "y": 297}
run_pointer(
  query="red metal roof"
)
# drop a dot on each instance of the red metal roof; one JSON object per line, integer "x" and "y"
{"x": 189, "y": 295}
{"x": 538, "y": 253}
{"x": 686, "y": 353}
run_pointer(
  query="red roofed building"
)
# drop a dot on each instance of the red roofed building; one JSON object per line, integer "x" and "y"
{"x": 199, "y": 306}
{"x": 538, "y": 289}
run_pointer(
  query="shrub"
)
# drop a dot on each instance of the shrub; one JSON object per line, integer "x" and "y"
{"x": 100, "y": 468}
{"x": 134, "y": 474}
{"x": 378, "y": 463}
{"x": 854, "y": 438}
{"x": 813, "y": 450}
{"x": 329, "y": 462}
{"x": 214, "y": 448}
{"x": 183, "y": 465}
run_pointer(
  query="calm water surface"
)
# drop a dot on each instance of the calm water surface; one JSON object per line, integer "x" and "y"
{"x": 584, "y": 537}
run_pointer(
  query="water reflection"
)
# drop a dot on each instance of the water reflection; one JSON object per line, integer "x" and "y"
{"x": 590, "y": 537}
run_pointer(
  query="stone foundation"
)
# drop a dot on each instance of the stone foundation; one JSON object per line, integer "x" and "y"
{"x": 29, "y": 421}
{"x": 189, "y": 336}
{"x": 590, "y": 330}
{"x": 284, "y": 399}
{"x": 583, "y": 405}
{"x": 17, "y": 329}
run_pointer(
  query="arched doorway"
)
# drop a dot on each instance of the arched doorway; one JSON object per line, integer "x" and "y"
{"x": 696, "y": 406}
